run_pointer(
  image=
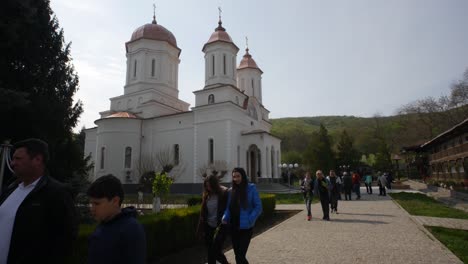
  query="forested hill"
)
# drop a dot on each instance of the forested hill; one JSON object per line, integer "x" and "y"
{"x": 398, "y": 130}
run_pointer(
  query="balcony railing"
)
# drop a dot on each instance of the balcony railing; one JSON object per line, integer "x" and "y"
{"x": 450, "y": 152}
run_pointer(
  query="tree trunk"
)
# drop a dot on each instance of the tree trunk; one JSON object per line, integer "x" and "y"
{"x": 156, "y": 204}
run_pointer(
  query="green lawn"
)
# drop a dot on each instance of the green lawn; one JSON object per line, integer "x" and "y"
{"x": 420, "y": 204}
{"x": 454, "y": 239}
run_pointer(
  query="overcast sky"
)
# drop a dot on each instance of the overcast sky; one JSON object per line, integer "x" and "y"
{"x": 321, "y": 57}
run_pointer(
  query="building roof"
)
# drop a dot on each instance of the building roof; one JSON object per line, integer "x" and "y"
{"x": 454, "y": 131}
{"x": 121, "y": 115}
{"x": 248, "y": 62}
{"x": 220, "y": 34}
{"x": 154, "y": 31}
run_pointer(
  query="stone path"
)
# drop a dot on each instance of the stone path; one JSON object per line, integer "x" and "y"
{"x": 443, "y": 222}
{"x": 371, "y": 230}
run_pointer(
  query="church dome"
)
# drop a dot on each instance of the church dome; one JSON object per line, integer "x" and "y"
{"x": 220, "y": 34}
{"x": 154, "y": 31}
{"x": 248, "y": 62}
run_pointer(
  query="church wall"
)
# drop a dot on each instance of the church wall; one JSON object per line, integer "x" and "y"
{"x": 160, "y": 136}
{"x": 115, "y": 134}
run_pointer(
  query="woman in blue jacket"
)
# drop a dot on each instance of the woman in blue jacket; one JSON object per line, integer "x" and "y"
{"x": 244, "y": 207}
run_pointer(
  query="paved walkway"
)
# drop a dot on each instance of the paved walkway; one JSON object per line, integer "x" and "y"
{"x": 371, "y": 230}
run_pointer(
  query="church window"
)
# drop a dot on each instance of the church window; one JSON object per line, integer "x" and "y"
{"x": 134, "y": 69}
{"x": 211, "y": 150}
{"x": 176, "y": 154}
{"x": 103, "y": 152}
{"x": 238, "y": 156}
{"x": 211, "y": 99}
{"x": 152, "y": 67}
{"x": 128, "y": 158}
{"x": 224, "y": 64}
{"x": 253, "y": 88}
{"x": 212, "y": 65}
{"x": 237, "y": 99}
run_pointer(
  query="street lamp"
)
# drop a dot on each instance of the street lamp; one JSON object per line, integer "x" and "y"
{"x": 288, "y": 168}
{"x": 344, "y": 168}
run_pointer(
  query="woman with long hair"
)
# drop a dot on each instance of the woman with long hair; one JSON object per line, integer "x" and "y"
{"x": 214, "y": 201}
{"x": 243, "y": 209}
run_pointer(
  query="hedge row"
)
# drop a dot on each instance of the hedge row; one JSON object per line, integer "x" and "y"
{"x": 166, "y": 232}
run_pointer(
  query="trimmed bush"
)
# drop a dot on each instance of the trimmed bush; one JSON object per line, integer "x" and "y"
{"x": 194, "y": 200}
{"x": 268, "y": 204}
{"x": 166, "y": 232}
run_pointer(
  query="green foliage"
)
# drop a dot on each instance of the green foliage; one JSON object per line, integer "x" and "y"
{"x": 37, "y": 84}
{"x": 420, "y": 204}
{"x": 268, "y": 204}
{"x": 167, "y": 232}
{"x": 346, "y": 153}
{"x": 194, "y": 200}
{"x": 454, "y": 239}
{"x": 319, "y": 153}
{"x": 291, "y": 157}
{"x": 161, "y": 185}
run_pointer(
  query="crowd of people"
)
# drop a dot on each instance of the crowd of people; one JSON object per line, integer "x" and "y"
{"x": 329, "y": 189}
{"x": 38, "y": 213}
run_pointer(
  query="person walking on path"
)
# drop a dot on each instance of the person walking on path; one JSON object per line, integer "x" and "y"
{"x": 119, "y": 237}
{"x": 243, "y": 209}
{"x": 38, "y": 219}
{"x": 347, "y": 185}
{"x": 307, "y": 186}
{"x": 357, "y": 185}
{"x": 368, "y": 182}
{"x": 214, "y": 200}
{"x": 382, "y": 182}
{"x": 321, "y": 190}
{"x": 333, "y": 187}
{"x": 389, "y": 180}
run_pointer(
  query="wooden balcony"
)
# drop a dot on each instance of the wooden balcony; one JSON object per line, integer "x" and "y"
{"x": 454, "y": 153}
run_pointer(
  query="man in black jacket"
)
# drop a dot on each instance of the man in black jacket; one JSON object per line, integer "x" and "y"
{"x": 37, "y": 213}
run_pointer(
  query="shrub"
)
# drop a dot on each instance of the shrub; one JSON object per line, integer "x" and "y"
{"x": 166, "y": 232}
{"x": 268, "y": 204}
{"x": 194, "y": 200}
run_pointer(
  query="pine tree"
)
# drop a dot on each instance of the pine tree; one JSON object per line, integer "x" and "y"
{"x": 37, "y": 83}
{"x": 319, "y": 154}
{"x": 346, "y": 153}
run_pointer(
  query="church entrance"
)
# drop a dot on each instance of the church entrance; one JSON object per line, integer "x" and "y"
{"x": 253, "y": 163}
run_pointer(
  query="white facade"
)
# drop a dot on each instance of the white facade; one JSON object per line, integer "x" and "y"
{"x": 228, "y": 122}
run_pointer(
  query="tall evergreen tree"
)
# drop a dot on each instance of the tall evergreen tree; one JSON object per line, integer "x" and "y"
{"x": 346, "y": 153}
{"x": 319, "y": 154}
{"x": 37, "y": 82}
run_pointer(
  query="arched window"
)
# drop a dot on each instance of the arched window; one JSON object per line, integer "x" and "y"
{"x": 152, "y": 67}
{"x": 253, "y": 87}
{"x": 224, "y": 64}
{"x": 212, "y": 65}
{"x": 128, "y": 158}
{"x": 238, "y": 156}
{"x": 103, "y": 153}
{"x": 211, "y": 150}
{"x": 211, "y": 99}
{"x": 134, "y": 69}
{"x": 176, "y": 154}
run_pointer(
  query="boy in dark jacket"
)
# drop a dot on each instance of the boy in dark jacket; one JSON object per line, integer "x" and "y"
{"x": 119, "y": 237}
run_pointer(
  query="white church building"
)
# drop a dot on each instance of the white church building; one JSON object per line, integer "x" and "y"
{"x": 228, "y": 123}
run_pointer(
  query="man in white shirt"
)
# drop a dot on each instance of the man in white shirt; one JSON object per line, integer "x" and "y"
{"x": 37, "y": 213}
